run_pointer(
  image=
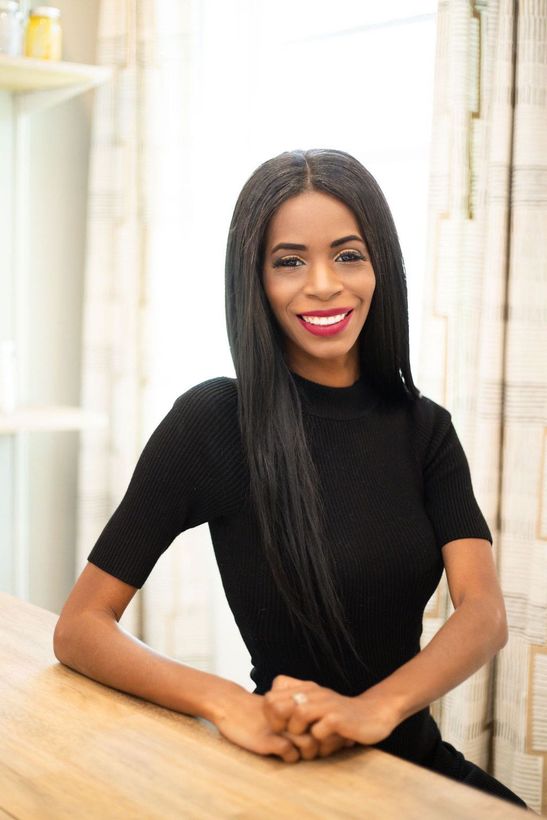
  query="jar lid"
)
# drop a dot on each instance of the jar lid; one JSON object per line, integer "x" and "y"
{"x": 9, "y": 5}
{"x": 45, "y": 11}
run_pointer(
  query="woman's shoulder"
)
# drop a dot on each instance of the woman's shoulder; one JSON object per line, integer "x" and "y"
{"x": 212, "y": 396}
{"x": 208, "y": 412}
{"x": 430, "y": 421}
{"x": 428, "y": 412}
{"x": 420, "y": 411}
{"x": 203, "y": 425}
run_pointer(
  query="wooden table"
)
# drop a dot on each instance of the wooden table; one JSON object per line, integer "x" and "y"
{"x": 73, "y": 748}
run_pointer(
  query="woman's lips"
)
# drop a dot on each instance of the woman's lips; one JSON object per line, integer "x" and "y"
{"x": 326, "y": 330}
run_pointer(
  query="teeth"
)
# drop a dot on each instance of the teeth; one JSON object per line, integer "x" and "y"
{"x": 324, "y": 320}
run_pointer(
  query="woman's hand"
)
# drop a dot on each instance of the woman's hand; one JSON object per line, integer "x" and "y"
{"x": 244, "y": 722}
{"x": 327, "y": 715}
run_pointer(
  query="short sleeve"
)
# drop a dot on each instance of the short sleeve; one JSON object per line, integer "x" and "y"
{"x": 448, "y": 491}
{"x": 187, "y": 474}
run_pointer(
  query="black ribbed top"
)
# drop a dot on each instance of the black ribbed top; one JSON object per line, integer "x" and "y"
{"x": 336, "y": 402}
{"x": 395, "y": 486}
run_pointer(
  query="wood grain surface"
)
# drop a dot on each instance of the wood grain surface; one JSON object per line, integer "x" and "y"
{"x": 73, "y": 748}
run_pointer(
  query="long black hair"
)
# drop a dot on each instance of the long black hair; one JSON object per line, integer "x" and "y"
{"x": 283, "y": 477}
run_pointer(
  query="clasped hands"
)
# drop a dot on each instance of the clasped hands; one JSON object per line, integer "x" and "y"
{"x": 326, "y": 721}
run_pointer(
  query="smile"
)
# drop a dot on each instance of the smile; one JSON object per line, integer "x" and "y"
{"x": 325, "y": 325}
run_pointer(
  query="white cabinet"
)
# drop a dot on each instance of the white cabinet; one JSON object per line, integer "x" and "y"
{"x": 26, "y": 88}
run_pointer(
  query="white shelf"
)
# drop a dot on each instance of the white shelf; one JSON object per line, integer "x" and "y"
{"x": 28, "y": 419}
{"x": 23, "y": 74}
{"x": 39, "y": 84}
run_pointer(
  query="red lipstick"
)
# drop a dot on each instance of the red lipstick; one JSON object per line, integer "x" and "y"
{"x": 327, "y": 330}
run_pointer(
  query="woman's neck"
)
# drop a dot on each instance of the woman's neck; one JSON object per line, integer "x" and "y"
{"x": 327, "y": 374}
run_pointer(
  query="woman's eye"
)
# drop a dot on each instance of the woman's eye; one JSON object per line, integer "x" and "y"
{"x": 286, "y": 262}
{"x": 351, "y": 256}
{"x": 294, "y": 261}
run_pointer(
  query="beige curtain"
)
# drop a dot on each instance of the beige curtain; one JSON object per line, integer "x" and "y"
{"x": 483, "y": 353}
{"x": 139, "y": 221}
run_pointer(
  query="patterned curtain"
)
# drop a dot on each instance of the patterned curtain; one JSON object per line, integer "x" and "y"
{"x": 138, "y": 225}
{"x": 483, "y": 353}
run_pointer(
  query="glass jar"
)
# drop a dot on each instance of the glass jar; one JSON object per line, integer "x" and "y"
{"x": 11, "y": 28}
{"x": 43, "y": 35}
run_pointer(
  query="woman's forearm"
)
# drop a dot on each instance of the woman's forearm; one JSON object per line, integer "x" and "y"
{"x": 97, "y": 646}
{"x": 469, "y": 638}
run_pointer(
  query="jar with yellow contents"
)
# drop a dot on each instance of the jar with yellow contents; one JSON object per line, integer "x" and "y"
{"x": 43, "y": 34}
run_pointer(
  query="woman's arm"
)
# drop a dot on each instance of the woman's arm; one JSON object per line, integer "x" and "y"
{"x": 88, "y": 639}
{"x": 469, "y": 638}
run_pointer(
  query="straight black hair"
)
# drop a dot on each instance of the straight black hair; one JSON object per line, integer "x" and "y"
{"x": 283, "y": 477}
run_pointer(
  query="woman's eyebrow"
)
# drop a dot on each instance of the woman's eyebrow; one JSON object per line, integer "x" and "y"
{"x": 291, "y": 246}
{"x": 345, "y": 239}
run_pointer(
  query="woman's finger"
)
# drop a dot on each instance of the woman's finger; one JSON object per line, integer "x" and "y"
{"x": 282, "y": 682}
{"x": 282, "y": 747}
{"x": 330, "y": 744}
{"x": 327, "y": 727}
{"x": 299, "y": 719}
{"x": 278, "y": 712}
{"x": 284, "y": 714}
{"x": 307, "y": 745}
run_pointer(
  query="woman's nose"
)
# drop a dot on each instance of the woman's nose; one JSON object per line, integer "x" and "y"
{"x": 322, "y": 280}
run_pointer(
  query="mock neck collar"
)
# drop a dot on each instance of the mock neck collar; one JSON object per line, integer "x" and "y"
{"x": 349, "y": 402}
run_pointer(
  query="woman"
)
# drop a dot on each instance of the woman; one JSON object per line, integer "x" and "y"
{"x": 335, "y": 493}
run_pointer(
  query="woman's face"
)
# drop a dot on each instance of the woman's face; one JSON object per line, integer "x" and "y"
{"x": 316, "y": 263}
